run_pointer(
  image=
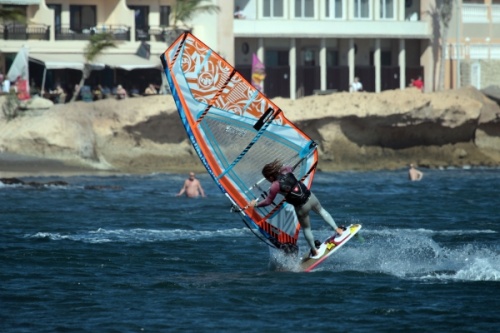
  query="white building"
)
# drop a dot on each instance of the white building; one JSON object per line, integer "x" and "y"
{"x": 308, "y": 46}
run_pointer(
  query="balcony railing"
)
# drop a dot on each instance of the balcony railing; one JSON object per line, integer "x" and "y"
{"x": 16, "y": 31}
{"x": 157, "y": 34}
{"x": 84, "y": 33}
{"x": 474, "y": 13}
{"x": 484, "y": 51}
{"x": 495, "y": 13}
{"x": 151, "y": 33}
{"x": 64, "y": 33}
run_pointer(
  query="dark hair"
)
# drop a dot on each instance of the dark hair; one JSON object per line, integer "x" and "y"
{"x": 272, "y": 169}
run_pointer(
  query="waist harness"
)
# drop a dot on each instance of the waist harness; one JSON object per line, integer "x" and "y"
{"x": 295, "y": 192}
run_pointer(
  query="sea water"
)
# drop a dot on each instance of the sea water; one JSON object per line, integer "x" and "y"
{"x": 126, "y": 255}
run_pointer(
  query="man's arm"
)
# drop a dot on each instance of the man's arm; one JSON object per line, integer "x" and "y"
{"x": 183, "y": 189}
{"x": 201, "y": 189}
{"x": 273, "y": 191}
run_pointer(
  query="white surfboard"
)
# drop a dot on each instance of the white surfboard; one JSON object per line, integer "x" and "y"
{"x": 329, "y": 247}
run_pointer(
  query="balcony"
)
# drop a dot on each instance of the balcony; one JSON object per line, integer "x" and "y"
{"x": 151, "y": 33}
{"x": 67, "y": 33}
{"x": 474, "y": 13}
{"x": 331, "y": 29}
{"x": 495, "y": 13}
{"x": 158, "y": 34}
{"x": 17, "y": 31}
{"x": 484, "y": 51}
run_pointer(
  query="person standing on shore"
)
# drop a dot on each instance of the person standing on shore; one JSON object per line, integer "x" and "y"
{"x": 356, "y": 85}
{"x": 418, "y": 83}
{"x": 121, "y": 93}
{"x": 5, "y": 85}
{"x": 192, "y": 187}
{"x": 414, "y": 174}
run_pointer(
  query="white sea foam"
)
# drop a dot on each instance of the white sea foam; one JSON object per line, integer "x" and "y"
{"x": 138, "y": 235}
{"x": 414, "y": 254}
{"x": 484, "y": 269}
{"x": 385, "y": 232}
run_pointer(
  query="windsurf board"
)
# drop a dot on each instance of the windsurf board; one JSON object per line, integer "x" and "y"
{"x": 328, "y": 247}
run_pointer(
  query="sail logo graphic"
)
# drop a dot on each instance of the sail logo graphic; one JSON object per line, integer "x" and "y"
{"x": 187, "y": 63}
{"x": 206, "y": 80}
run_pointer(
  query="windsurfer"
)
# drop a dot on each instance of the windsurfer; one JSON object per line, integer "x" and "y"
{"x": 192, "y": 187}
{"x": 296, "y": 193}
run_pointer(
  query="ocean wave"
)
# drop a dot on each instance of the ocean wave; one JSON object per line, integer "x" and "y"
{"x": 414, "y": 254}
{"x": 386, "y": 232}
{"x": 139, "y": 235}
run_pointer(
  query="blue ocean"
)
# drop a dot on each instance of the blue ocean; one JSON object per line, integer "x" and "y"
{"x": 123, "y": 254}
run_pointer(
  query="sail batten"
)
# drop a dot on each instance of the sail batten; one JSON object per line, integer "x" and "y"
{"x": 236, "y": 130}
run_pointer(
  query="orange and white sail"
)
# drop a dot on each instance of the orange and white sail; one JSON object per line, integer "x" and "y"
{"x": 236, "y": 130}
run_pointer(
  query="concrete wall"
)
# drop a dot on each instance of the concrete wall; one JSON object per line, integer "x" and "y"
{"x": 480, "y": 73}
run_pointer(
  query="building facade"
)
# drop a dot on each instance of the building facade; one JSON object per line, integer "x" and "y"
{"x": 57, "y": 31}
{"x": 312, "y": 46}
{"x": 307, "y": 46}
{"x": 473, "y": 44}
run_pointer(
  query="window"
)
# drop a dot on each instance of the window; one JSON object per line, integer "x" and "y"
{"x": 332, "y": 58}
{"x": 362, "y": 9}
{"x": 304, "y": 8}
{"x": 273, "y": 8}
{"x": 141, "y": 16}
{"x": 475, "y": 75}
{"x": 387, "y": 9}
{"x": 276, "y": 58}
{"x": 57, "y": 16}
{"x": 164, "y": 16}
{"x": 334, "y": 9}
{"x": 82, "y": 17}
{"x": 309, "y": 57}
{"x": 386, "y": 58}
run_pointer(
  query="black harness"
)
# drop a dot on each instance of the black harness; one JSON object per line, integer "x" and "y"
{"x": 295, "y": 192}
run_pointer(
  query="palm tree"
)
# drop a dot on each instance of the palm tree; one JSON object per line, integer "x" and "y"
{"x": 445, "y": 13}
{"x": 12, "y": 14}
{"x": 183, "y": 11}
{"x": 97, "y": 43}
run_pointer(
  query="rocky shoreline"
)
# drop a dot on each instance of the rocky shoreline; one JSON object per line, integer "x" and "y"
{"x": 361, "y": 131}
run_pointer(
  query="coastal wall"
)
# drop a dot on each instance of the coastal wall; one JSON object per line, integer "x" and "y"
{"x": 361, "y": 131}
